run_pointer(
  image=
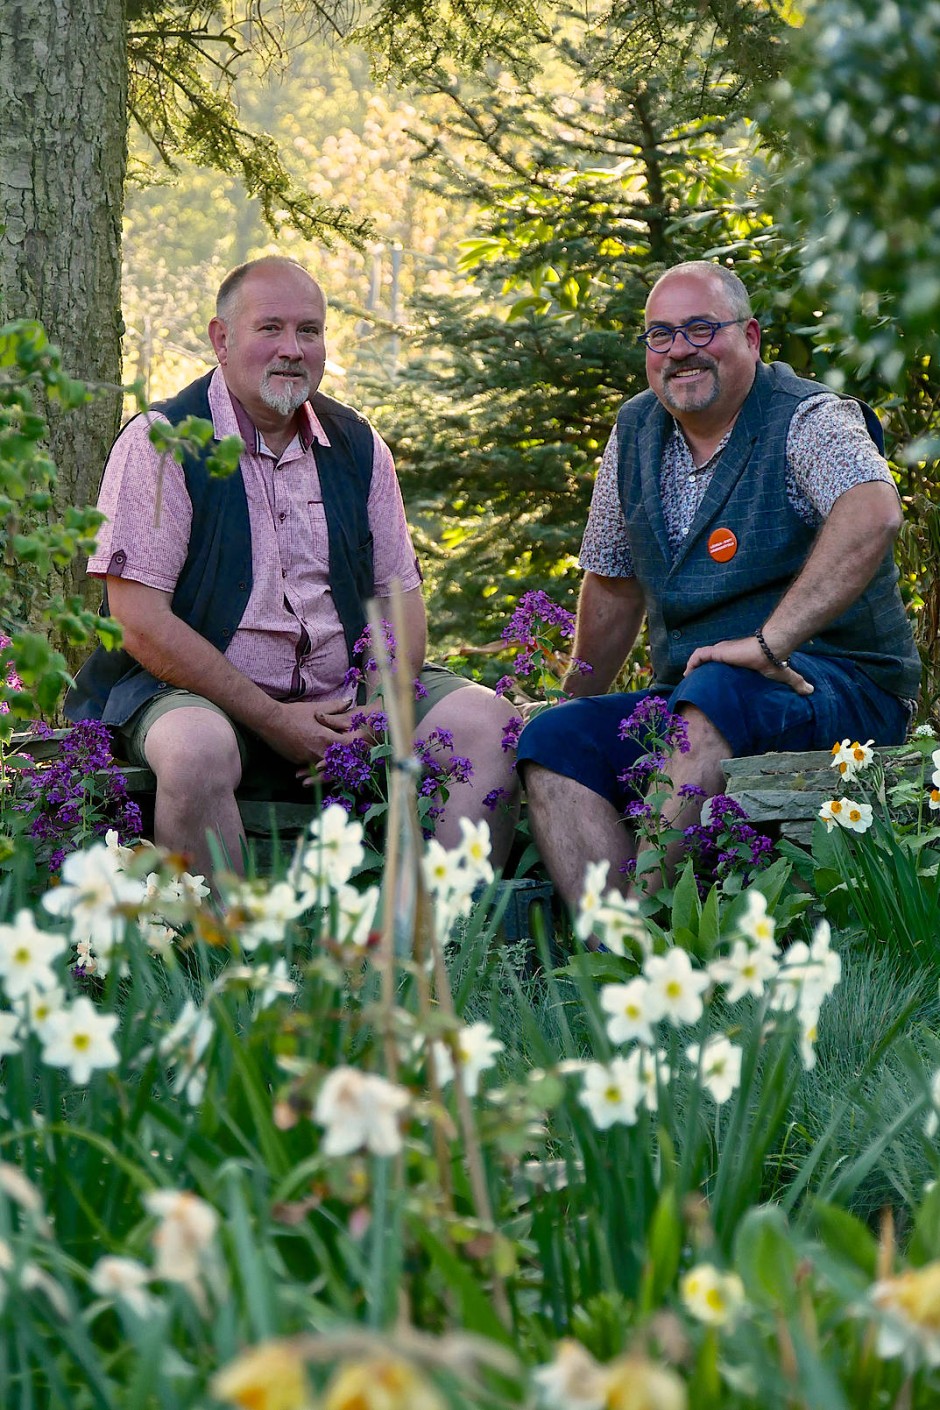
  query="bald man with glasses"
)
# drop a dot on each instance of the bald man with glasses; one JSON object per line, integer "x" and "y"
{"x": 749, "y": 516}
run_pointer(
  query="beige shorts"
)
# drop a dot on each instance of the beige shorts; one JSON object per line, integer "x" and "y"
{"x": 437, "y": 681}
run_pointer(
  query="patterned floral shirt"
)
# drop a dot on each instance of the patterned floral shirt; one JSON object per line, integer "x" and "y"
{"x": 829, "y": 451}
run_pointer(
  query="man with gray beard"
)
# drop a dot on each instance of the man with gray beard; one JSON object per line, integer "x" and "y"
{"x": 242, "y": 599}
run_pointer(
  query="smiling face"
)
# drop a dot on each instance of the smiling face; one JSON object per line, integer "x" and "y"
{"x": 701, "y": 386}
{"x": 271, "y": 341}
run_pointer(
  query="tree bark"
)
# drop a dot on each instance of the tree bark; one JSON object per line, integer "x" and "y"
{"x": 63, "y": 156}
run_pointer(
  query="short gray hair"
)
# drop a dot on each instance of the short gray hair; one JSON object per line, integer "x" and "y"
{"x": 737, "y": 296}
{"x": 226, "y": 300}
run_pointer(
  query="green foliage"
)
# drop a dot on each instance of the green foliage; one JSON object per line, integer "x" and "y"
{"x": 183, "y": 60}
{"x": 859, "y": 107}
{"x": 587, "y": 188}
{"x": 33, "y": 542}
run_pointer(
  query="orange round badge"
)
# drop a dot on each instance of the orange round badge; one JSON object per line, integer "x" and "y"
{"x": 722, "y": 545}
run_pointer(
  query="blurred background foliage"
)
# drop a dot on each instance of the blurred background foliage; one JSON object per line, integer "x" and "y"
{"x": 506, "y": 182}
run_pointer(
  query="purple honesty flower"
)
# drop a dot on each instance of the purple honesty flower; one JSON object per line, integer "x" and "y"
{"x": 503, "y": 684}
{"x": 638, "y": 810}
{"x": 691, "y": 790}
{"x": 583, "y": 668}
{"x": 493, "y": 799}
{"x": 348, "y": 764}
{"x": 364, "y": 647}
{"x": 511, "y": 733}
{"x": 420, "y": 690}
{"x": 353, "y": 679}
{"x": 533, "y": 611}
{"x": 726, "y": 845}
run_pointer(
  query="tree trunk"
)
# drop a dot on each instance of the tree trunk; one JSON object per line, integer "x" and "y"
{"x": 63, "y": 156}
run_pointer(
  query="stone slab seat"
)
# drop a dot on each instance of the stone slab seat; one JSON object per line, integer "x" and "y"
{"x": 785, "y": 791}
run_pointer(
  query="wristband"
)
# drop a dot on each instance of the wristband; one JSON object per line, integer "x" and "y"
{"x": 783, "y": 665}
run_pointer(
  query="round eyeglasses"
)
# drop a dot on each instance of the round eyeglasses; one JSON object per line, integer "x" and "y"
{"x": 698, "y": 332}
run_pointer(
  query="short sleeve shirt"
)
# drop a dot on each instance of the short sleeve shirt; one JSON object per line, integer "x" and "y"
{"x": 829, "y": 451}
{"x": 290, "y": 640}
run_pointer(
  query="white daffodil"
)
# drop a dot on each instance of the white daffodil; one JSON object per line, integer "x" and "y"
{"x": 355, "y": 914}
{"x": 26, "y": 956}
{"x": 123, "y": 1280}
{"x": 631, "y": 1014}
{"x": 592, "y": 898}
{"x": 851, "y": 758}
{"x": 96, "y": 896}
{"x": 79, "y": 1037}
{"x": 474, "y": 850}
{"x": 675, "y": 987}
{"x": 909, "y": 1326}
{"x": 611, "y": 1092}
{"x": 711, "y": 1296}
{"x": 935, "y": 760}
{"x": 573, "y": 1381}
{"x": 335, "y": 848}
{"x": 476, "y": 1054}
{"x": 122, "y": 855}
{"x": 9, "y": 1030}
{"x": 831, "y": 813}
{"x": 821, "y": 953}
{"x": 260, "y": 913}
{"x": 359, "y": 1110}
{"x": 652, "y": 1071}
{"x": 719, "y": 1062}
{"x": 272, "y": 982}
{"x": 746, "y": 970}
{"x": 186, "y": 1228}
{"x": 36, "y": 1007}
{"x": 755, "y": 924}
{"x": 933, "y": 799}
{"x": 856, "y": 817}
{"x": 184, "y": 1045}
{"x": 618, "y": 920}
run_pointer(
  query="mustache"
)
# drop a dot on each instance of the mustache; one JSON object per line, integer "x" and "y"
{"x": 691, "y": 364}
{"x": 285, "y": 365}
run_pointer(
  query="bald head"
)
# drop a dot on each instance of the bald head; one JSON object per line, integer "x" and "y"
{"x": 230, "y": 289}
{"x": 727, "y": 283}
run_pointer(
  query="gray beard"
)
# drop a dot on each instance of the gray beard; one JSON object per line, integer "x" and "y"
{"x": 285, "y": 402}
{"x": 701, "y": 400}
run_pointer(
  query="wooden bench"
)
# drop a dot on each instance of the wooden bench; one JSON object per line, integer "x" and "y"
{"x": 784, "y": 792}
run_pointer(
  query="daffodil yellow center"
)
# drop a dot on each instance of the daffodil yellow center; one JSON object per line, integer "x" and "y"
{"x": 81, "y": 1041}
{"x": 674, "y": 989}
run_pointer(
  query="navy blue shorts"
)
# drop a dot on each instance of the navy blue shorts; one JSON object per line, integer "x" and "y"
{"x": 580, "y": 739}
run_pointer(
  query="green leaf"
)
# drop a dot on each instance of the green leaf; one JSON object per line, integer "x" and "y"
{"x": 766, "y": 1258}
{"x": 686, "y": 906}
{"x": 845, "y": 1235}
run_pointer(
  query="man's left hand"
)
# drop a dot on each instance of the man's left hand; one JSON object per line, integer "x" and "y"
{"x": 745, "y": 651}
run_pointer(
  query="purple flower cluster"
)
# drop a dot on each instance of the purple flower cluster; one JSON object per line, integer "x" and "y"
{"x": 77, "y": 794}
{"x": 652, "y": 724}
{"x": 363, "y": 648}
{"x": 535, "y": 611}
{"x": 12, "y": 679}
{"x": 354, "y": 770}
{"x": 727, "y": 845}
{"x": 511, "y": 732}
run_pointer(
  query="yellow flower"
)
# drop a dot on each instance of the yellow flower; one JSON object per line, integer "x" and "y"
{"x": 710, "y": 1295}
{"x": 271, "y": 1376}
{"x": 381, "y": 1384}
{"x": 633, "y": 1383}
{"x": 914, "y": 1294}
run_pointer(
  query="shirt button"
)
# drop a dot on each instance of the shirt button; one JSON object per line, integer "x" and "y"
{"x": 282, "y": 516}
{"x": 676, "y": 635}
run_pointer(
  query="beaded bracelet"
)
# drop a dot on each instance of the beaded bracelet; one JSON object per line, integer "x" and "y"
{"x": 783, "y": 665}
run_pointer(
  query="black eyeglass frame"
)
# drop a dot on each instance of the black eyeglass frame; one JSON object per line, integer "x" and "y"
{"x": 683, "y": 329}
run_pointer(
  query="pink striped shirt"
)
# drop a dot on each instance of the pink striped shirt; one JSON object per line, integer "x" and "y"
{"x": 290, "y": 640}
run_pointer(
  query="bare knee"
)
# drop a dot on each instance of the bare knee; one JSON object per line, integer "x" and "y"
{"x": 194, "y": 754}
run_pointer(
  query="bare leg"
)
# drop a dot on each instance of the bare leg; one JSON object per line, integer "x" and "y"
{"x": 573, "y": 826}
{"x": 476, "y": 718}
{"x": 700, "y": 766}
{"x": 194, "y": 754}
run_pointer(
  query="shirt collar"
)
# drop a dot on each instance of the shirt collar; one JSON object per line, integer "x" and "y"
{"x": 310, "y": 430}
